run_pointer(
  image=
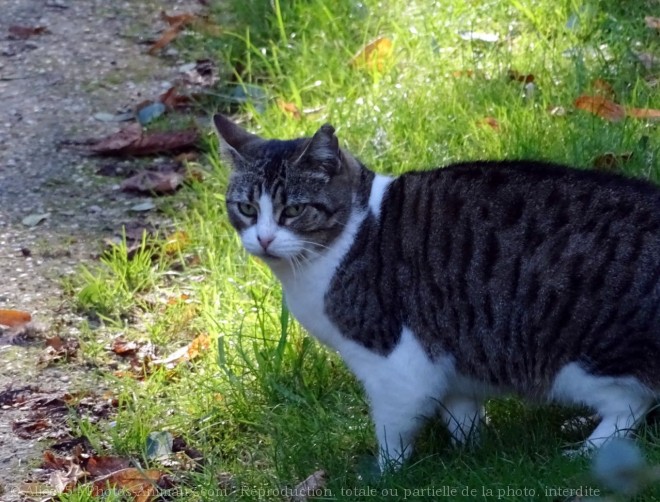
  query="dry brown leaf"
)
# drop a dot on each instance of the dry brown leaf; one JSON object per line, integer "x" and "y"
{"x": 289, "y": 109}
{"x": 652, "y": 22}
{"x": 644, "y": 113}
{"x": 463, "y": 73}
{"x": 173, "y": 100}
{"x": 310, "y": 487}
{"x": 14, "y": 318}
{"x": 191, "y": 351}
{"x": 25, "y": 32}
{"x": 519, "y": 77}
{"x": 58, "y": 348}
{"x": 153, "y": 182}
{"x": 604, "y": 108}
{"x": 124, "y": 348}
{"x": 374, "y": 55}
{"x": 102, "y": 466}
{"x": 491, "y": 122}
{"x": 611, "y": 161}
{"x": 204, "y": 74}
{"x": 133, "y": 141}
{"x": 142, "y": 484}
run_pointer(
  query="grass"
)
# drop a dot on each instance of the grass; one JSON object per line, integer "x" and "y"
{"x": 268, "y": 404}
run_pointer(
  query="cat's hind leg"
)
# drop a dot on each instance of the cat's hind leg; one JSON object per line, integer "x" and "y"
{"x": 462, "y": 415}
{"x": 621, "y": 402}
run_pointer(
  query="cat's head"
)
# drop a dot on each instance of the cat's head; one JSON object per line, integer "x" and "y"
{"x": 288, "y": 200}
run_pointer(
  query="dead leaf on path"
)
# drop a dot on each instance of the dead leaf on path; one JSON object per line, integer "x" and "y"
{"x": 124, "y": 348}
{"x": 519, "y": 77}
{"x": 374, "y": 55}
{"x": 142, "y": 484}
{"x": 59, "y": 349}
{"x": 173, "y": 100}
{"x": 491, "y": 122}
{"x": 611, "y": 161}
{"x": 25, "y": 32}
{"x": 190, "y": 352}
{"x": 652, "y": 22}
{"x": 289, "y": 109}
{"x": 312, "y": 486}
{"x": 31, "y": 427}
{"x": 604, "y": 108}
{"x": 102, "y": 466}
{"x": 133, "y": 141}
{"x": 177, "y": 23}
{"x": 153, "y": 182}
{"x": 14, "y": 318}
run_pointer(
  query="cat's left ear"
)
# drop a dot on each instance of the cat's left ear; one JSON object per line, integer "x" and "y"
{"x": 234, "y": 141}
{"x": 322, "y": 151}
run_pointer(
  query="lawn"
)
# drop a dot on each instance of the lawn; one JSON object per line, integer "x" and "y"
{"x": 448, "y": 81}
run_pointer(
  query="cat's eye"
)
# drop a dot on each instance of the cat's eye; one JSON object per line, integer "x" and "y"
{"x": 247, "y": 209}
{"x": 293, "y": 210}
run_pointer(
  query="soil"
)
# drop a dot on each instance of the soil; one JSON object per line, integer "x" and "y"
{"x": 89, "y": 60}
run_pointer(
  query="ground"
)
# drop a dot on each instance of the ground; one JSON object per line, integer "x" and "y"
{"x": 51, "y": 85}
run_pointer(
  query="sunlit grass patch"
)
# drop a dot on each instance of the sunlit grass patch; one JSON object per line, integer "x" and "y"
{"x": 463, "y": 80}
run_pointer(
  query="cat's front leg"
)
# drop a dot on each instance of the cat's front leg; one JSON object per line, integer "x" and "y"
{"x": 462, "y": 416}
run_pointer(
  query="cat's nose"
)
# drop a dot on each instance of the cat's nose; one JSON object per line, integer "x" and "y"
{"x": 265, "y": 241}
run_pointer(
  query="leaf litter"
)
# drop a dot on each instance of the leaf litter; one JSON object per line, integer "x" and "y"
{"x": 133, "y": 141}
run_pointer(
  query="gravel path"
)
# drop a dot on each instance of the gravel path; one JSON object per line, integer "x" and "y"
{"x": 51, "y": 85}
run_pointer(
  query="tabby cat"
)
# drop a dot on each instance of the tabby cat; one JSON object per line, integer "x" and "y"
{"x": 444, "y": 287}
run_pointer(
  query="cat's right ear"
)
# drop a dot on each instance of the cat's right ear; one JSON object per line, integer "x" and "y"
{"x": 233, "y": 140}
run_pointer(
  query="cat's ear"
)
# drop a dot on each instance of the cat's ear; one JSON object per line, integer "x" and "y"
{"x": 233, "y": 140}
{"x": 322, "y": 151}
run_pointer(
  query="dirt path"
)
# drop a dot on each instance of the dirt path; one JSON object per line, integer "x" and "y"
{"x": 51, "y": 85}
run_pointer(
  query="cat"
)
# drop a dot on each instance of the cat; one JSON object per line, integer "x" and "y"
{"x": 442, "y": 288}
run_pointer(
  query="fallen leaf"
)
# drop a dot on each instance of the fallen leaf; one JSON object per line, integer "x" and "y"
{"x": 310, "y": 487}
{"x": 102, "y": 466}
{"x": 177, "y": 23}
{"x": 614, "y": 112}
{"x": 173, "y": 100}
{"x": 374, "y": 55}
{"x": 604, "y": 108}
{"x": 491, "y": 122}
{"x": 124, "y": 348}
{"x": 14, "y": 318}
{"x": 463, "y": 73}
{"x": 611, "y": 161}
{"x": 643, "y": 113}
{"x": 30, "y": 427}
{"x": 34, "y": 219}
{"x": 133, "y": 141}
{"x": 191, "y": 351}
{"x": 142, "y": 484}
{"x": 58, "y": 348}
{"x": 652, "y": 22}
{"x": 289, "y": 109}
{"x": 25, "y": 32}
{"x": 153, "y": 182}
{"x": 519, "y": 77}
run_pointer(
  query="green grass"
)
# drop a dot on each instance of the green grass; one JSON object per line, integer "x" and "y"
{"x": 268, "y": 404}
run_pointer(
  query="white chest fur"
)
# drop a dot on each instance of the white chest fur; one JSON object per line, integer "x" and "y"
{"x": 305, "y": 288}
